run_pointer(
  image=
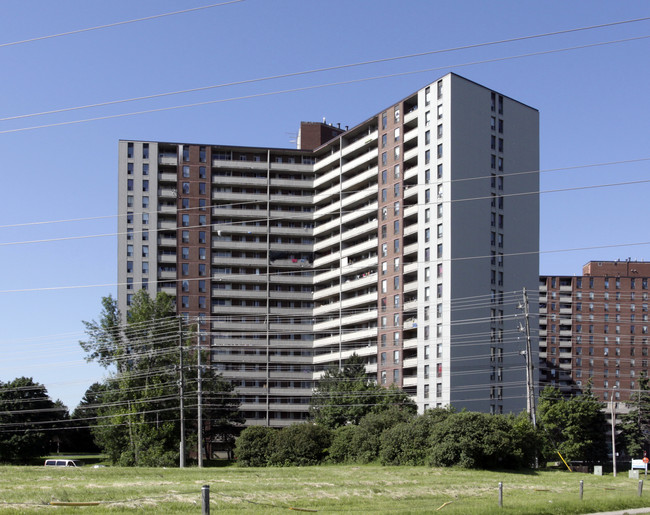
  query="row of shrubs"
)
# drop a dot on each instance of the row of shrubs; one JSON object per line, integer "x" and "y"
{"x": 439, "y": 437}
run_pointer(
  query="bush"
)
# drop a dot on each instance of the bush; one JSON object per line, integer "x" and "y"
{"x": 253, "y": 447}
{"x": 407, "y": 443}
{"x": 477, "y": 440}
{"x": 300, "y": 444}
{"x": 342, "y": 448}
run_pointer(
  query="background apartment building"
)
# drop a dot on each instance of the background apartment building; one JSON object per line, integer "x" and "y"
{"x": 406, "y": 239}
{"x": 594, "y": 327}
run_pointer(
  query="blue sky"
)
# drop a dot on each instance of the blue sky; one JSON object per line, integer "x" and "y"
{"x": 593, "y": 105}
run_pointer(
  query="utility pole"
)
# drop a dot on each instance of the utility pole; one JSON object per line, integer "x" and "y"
{"x": 530, "y": 387}
{"x": 180, "y": 387}
{"x": 200, "y": 395}
{"x": 613, "y": 434}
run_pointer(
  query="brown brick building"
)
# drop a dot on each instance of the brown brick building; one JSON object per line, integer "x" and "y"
{"x": 595, "y": 327}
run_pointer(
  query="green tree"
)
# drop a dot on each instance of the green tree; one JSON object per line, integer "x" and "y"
{"x": 635, "y": 425}
{"x": 344, "y": 396}
{"x": 137, "y": 419}
{"x": 477, "y": 440}
{"x": 254, "y": 446}
{"x": 30, "y": 422}
{"x": 407, "y": 443}
{"x": 84, "y": 417}
{"x": 574, "y": 426}
{"x": 361, "y": 443}
{"x": 301, "y": 445}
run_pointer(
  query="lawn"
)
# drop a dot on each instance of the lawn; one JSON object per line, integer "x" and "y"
{"x": 340, "y": 489}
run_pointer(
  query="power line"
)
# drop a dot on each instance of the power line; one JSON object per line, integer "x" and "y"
{"x": 464, "y": 179}
{"x": 320, "y": 86}
{"x": 136, "y": 20}
{"x": 315, "y": 70}
{"x": 468, "y": 199}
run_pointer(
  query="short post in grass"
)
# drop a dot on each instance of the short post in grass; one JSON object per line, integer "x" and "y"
{"x": 205, "y": 500}
{"x": 582, "y": 485}
{"x": 640, "y": 487}
{"x": 500, "y": 495}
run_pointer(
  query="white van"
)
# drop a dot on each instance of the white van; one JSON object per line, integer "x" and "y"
{"x": 62, "y": 463}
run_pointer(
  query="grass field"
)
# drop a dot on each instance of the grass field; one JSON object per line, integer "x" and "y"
{"x": 333, "y": 489}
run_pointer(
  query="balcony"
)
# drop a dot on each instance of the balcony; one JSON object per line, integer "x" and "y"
{"x": 168, "y": 159}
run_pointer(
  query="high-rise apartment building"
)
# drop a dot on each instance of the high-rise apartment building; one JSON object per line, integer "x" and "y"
{"x": 403, "y": 239}
{"x": 594, "y": 327}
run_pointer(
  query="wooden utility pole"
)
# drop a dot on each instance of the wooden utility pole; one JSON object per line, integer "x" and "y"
{"x": 181, "y": 393}
{"x": 200, "y": 395}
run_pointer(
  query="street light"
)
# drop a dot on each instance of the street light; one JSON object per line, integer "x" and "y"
{"x": 613, "y": 433}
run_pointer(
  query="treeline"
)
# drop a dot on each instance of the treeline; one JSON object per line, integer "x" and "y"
{"x": 396, "y": 436}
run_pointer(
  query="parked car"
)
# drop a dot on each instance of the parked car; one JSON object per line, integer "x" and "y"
{"x": 62, "y": 463}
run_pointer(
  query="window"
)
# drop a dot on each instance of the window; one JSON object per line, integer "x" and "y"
{"x": 440, "y": 89}
{"x": 185, "y": 301}
{"x": 396, "y": 173}
{"x": 439, "y": 230}
{"x": 384, "y": 195}
{"x": 396, "y": 264}
{"x": 129, "y": 184}
{"x": 201, "y": 236}
{"x": 186, "y": 153}
{"x": 384, "y": 158}
{"x": 202, "y": 154}
{"x": 185, "y": 236}
{"x": 396, "y": 134}
{"x": 396, "y": 227}
{"x": 145, "y": 250}
{"x": 439, "y": 131}
{"x": 129, "y": 150}
{"x": 427, "y": 118}
{"x": 384, "y": 139}
{"x": 396, "y": 114}
{"x": 439, "y": 251}
{"x": 384, "y": 120}
{"x": 186, "y": 171}
{"x": 202, "y": 219}
{"x": 145, "y": 151}
{"x": 493, "y": 123}
{"x": 396, "y": 153}
{"x": 440, "y": 151}
{"x": 145, "y": 218}
{"x": 396, "y": 208}
{"x": 145, "y": 202}
{"x": 202, "y": 172}
{"x": 439, "y": 111}
{"x": 396, "y": 357}
{"x": 427, "y": 95}
{"x": 129, "y": 232}
{"x": 129, "y": 201}
{"x": 384, "y": 176}
{"x": 145, "y": 185}
{"x": 185, "y": 269}
{"x": 145, "y": 267}
{"x": 186, "y": 188}
{"x": 201, "y": 302}
{"x": 500, "y": 126}
{"x": 427, "y": 157}
{"x": 185, "y": 253}
{"x": 129, "y": 251}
